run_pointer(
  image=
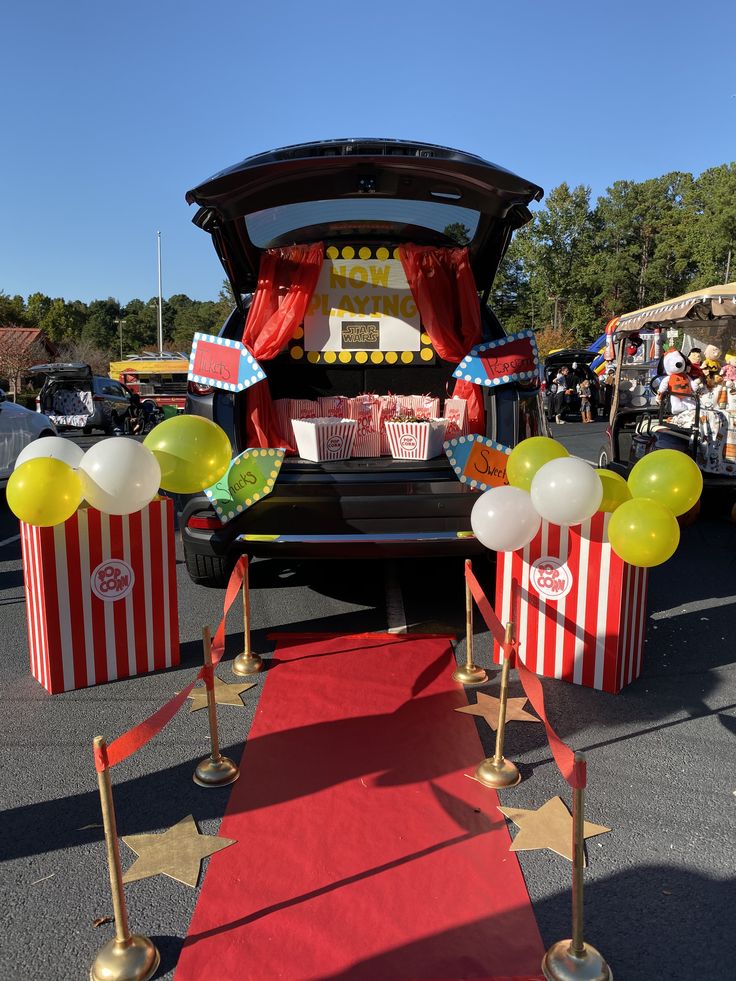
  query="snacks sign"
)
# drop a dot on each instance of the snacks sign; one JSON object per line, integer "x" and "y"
{"x": 250, "y": 478}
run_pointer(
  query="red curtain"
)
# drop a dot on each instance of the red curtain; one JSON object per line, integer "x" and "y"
{"x": 444, "y": 290}
{"x": 286, "y": 281}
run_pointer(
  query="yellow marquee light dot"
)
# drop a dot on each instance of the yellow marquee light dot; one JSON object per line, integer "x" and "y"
{"x": 332, "y": 252}
{"x": 361, "y": 357}
{"x": 376, "y": 357}
{"x": 348, "y": 252}
{"x": 392, "y": 357}
{"x": 382, "y": 254}
{"x": 330, "y": 357}
{"x": 313, "y": 357}
{"x": 407, "y": 357}
{"x": 345, "y": 356}
{"x": 298, "y": 332}
{"x": 297, "y": 352}
{"x": 426, "y": 354}
{"x": 365, "y": 252}
{"x": 425, "y": 339}
{"x": 396, "y": 253}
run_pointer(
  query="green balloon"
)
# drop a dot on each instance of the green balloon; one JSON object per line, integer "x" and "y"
{"x": 668, "y": 476}
{"x": 643, "y": 532}
{"x": 529, "y": 456}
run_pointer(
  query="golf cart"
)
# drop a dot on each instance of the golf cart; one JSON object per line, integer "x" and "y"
{"x": 643, "y": 418}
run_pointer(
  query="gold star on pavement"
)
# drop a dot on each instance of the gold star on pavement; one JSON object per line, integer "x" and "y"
{"x": 549, "y": 827}
{"x": 225, "y": 694}
{"x": 487, "y": 708}
{"x": 176, "y": 853}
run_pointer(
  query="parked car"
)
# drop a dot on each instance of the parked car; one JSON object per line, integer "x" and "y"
{"x": 358, "y": 198}
{"x": 74, "y": 398}
{"x": 18, "y": 427}
{"x": 577, "y": 361}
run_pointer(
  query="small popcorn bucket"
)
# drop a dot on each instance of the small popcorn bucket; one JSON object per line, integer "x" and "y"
{"x": 321, "y": 440}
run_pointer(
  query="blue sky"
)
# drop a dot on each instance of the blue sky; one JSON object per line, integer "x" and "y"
{"x": 111, "y": 112}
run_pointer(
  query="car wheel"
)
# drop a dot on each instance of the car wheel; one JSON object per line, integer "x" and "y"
{"x": 86, "y": 430}
{"x": 207, "y": 570}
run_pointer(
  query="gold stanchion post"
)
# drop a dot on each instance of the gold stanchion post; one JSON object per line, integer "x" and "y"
{"x": 574, "y": 960}
{"x": 496, "y": 771}
{"x": 127, "y": 957}
{"x": 217, "y": 770}
{"x": 246, "y": 662}
{"x": 469, "y": 673}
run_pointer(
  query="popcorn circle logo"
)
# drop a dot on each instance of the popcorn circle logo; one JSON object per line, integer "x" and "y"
{"x": 408, "y": 442}
{"x": 551, "y": 578}
{"x": 334, "y": 444}
{"x": 112, "y": 580}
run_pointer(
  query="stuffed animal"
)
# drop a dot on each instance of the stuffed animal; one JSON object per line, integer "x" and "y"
{"x": 695, "y": 364}
{"x": 695, "y": 356}
{"x": 677, "y": 382}
{"x": 728, "y": 369}
{"x": 711, "y": 364}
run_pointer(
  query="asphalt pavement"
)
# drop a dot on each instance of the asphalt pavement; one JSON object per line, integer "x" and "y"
{"x": 659, "y": 888}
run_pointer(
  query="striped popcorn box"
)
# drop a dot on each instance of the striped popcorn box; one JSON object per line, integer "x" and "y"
{"x": 425, "y": 406}
{"x": 416, "y": 440}
{"x": 583, "y": 609}
{"x": 389, "y": 409}
{"x": 101, "y": 597}
{"x": 366, "y": 410}
{"x": 456, "y": 414}
{"x": 303, "y": 409}
{"x": 320, "y": 440}
{"x": 282, "y": 408}
{"x": 333, "y": 407}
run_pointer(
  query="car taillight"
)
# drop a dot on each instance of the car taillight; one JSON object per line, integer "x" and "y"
{"x": 98, "y": 398}
{"x": 204, "y": 523}
{"x": 194, "y": 388}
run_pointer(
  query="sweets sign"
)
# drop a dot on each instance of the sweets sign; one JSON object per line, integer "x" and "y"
{"x": 222, "y": 363}
{"x": 478, "y": 462}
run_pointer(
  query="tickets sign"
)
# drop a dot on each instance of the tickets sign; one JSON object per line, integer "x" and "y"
{"x": 222, "y": 363}
{"x": 513, "y": 358}
{"x": 478, "y": 462}
{"x": 250, "y": 478}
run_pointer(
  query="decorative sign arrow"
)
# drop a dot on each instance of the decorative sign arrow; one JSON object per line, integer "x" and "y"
{"x": 223, "y": 363}
{"x": 478, "y": 462}
{"x": 251, "y": 477}
{"x": 514, "y": 358}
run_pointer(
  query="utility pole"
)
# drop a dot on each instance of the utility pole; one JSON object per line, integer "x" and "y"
{"x": 120, "y": 323}
{"x": 728, "y": 266}
{"x": 160, "y": 302}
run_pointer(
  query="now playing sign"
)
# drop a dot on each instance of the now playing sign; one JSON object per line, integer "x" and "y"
{"x": 222, "y": 363}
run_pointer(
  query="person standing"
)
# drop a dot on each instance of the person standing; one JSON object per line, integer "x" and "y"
{"x": 560, "y": 388}
{"x": 583, "y": 391}
{"x": 609, "y": 383}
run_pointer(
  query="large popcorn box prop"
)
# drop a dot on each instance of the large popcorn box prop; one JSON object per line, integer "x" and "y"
{"x": 366, "y": 410}
{"x": 101, "y": 596}
{"x": 321, "y": 440}
{"x": 416, "y": 440}
{"x": 583, "y": 610}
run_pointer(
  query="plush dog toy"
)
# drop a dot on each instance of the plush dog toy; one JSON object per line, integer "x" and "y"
{"x": 680, "y": 385}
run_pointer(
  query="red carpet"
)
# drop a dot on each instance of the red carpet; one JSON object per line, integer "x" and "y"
{"x": 361, "y": 854}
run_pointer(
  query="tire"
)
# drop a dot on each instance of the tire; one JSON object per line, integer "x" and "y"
{"x": 86, "y": 430}
{"x": 207, "y": 570}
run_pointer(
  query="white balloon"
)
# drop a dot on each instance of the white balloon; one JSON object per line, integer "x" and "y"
{"x": 54, "y": 447}
{"x": 566, "y": 491}
{"x": 119, "y": 476}
{"x": 504, "y": 519}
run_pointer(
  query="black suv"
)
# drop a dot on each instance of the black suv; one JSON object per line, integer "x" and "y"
{"x": 368, "y": 197}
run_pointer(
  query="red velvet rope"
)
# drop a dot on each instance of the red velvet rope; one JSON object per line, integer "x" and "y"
{"x": 137, "y": 737}
{"x": 573, "y": 771}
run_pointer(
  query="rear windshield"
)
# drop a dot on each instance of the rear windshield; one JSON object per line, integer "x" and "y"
{"x": 266, "y": 226}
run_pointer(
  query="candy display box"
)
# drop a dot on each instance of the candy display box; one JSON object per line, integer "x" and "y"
{"x": 323, "y": 439}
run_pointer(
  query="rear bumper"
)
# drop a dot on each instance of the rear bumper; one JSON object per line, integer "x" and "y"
{"x": 388, "y": 515}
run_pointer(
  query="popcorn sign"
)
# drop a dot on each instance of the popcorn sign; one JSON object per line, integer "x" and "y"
{"x": 550, "y": 578}
{"x": 112, "y": 580}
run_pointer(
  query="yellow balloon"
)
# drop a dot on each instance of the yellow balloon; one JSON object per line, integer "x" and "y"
{"x": 615, "y": 490}
{"x": 44, "y": 491}
{"x": 529, "y": 456}
{"x": 643, "y": 532}
{"x": 193, "y": 453}
{"x": 667, "y": 476}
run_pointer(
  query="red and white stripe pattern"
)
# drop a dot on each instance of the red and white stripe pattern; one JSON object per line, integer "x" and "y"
{"x": 366, "y": 410}
{"x": 425, "y": 406}
{"x": 416, "y": 440}
{"x": 456, "y": 413}
{"x": 77, "y": 639}
{"x": 583, "y": 613}
{"x": 324, "y": 439}
{"x": 334, "y": 407}
{"x": 282, "y": 407}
